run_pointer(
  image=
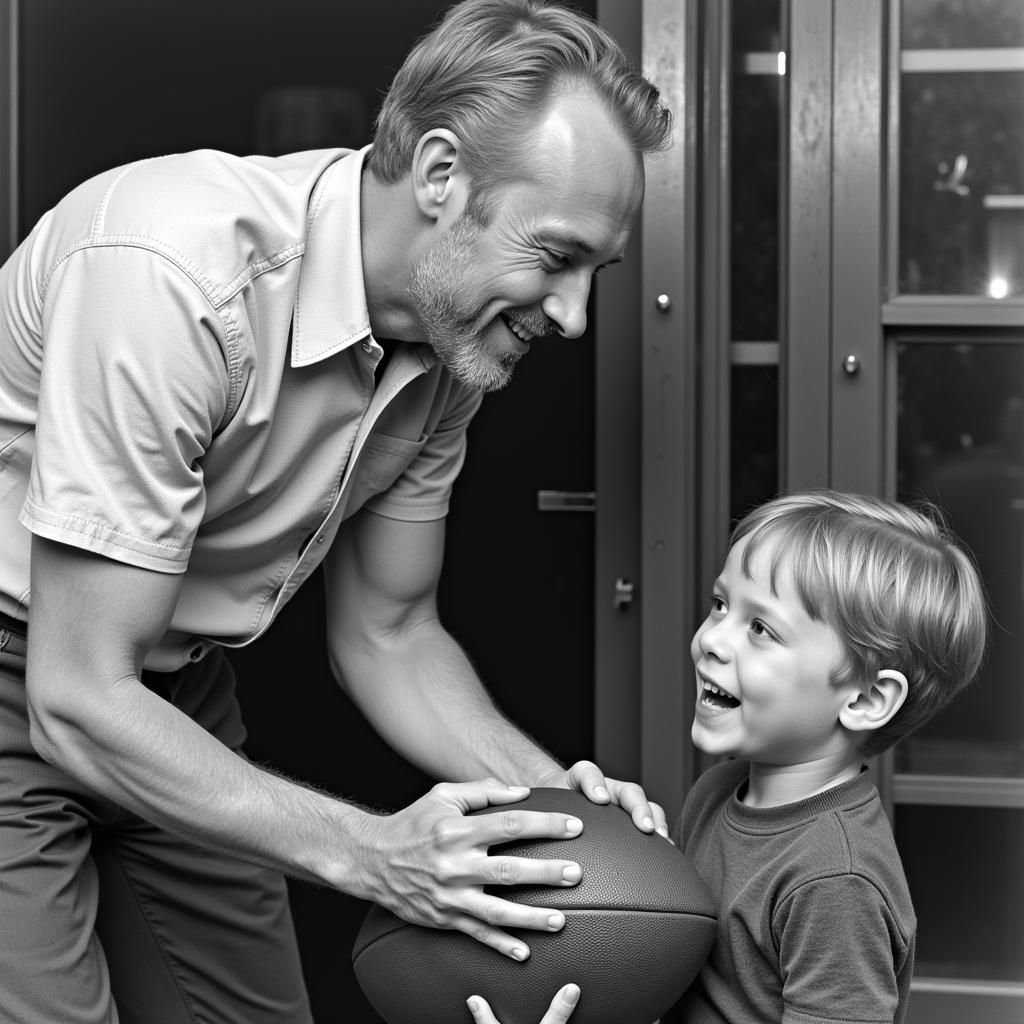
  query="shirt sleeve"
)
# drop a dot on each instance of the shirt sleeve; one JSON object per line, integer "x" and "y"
{"x": 132, "y": 386}
{"x": 423, "y": 490}
{"x": 839, "y": 952}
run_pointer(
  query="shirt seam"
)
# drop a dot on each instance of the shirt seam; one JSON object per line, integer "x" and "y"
{"x": 109, "y": 534}
{"x": 218, "y": 299}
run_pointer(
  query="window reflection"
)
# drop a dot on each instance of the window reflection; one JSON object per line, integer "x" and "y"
{"x": 944, "y": 23}
{"x": 962, "y": 183}
{"x": 960, "y": 444}
{"x": 754, "y": 440}
{"x": 757, "y": 92}
{"x": 973, "y": 857}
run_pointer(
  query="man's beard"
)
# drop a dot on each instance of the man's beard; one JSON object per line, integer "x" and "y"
{"x": 453, "y": 329}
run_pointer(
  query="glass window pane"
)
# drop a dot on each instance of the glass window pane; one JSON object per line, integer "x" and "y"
{"x": 962, "y": 183}
{"x": 754, "y": 243}
{"x": 756, "y": 26}
{"x": 972, "y": 856}
{"x": 754, "y": 440}
{"x": 937, "y": 24}
{"x": 757, "y": 91}
{"x": 960, "y": 444}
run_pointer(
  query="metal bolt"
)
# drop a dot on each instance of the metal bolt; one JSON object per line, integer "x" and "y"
{"x": 851, "y": 364}
{"x": 663, "y": 302}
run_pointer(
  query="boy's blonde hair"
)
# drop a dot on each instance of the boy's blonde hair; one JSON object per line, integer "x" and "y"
{"x": 895, "y": 584}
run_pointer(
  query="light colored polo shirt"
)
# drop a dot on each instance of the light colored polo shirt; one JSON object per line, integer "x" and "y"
{"x": 187, "y": 385}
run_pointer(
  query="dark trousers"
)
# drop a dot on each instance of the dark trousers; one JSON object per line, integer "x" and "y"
{"x": 104, "y": 918}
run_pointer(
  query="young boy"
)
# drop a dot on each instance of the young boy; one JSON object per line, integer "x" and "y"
{"x": 838, "y": 625}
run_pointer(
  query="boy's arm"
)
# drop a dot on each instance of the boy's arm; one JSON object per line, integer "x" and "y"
{"x": 843, "y": 952}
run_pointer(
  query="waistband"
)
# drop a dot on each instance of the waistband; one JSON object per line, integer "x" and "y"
{"x": 13, "y": 635}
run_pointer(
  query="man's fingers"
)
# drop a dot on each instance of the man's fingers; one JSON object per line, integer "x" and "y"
{"x": 493, "y": 912}
{"x": 590, "y": 781}
{"x": 506, "y": 825}
{"x": 660, "y": 820}
{"x": 493, "y": 938}
{"x": 530, "y": 871}
{"x": 475, "y": 796}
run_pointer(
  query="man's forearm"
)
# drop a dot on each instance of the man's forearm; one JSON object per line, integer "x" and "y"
{"x": 143, "y": 754}
{"x": 422, "y": 695}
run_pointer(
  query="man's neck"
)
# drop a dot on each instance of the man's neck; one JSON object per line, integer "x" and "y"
{"x": 389, "y": 240}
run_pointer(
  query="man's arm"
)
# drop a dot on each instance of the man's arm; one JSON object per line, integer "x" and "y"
{"x": 91, "y": 623}
{"x": 414, "y": 683}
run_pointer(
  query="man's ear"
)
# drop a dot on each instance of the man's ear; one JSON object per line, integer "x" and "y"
{"x": 436, "y": 172}
{"x": 874, "y": 707}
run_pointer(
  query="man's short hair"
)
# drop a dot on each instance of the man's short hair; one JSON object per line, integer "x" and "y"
{"x": 487, "y": 71}
{"x": 895, "y": 584}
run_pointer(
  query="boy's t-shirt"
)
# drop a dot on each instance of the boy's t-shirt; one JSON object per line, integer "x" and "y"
{"x": 815, "y": 919}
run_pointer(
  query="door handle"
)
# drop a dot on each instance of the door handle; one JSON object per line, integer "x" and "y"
{"x": 566, "y": 501}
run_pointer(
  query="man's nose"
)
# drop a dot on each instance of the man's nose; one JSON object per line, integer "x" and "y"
{"x": 566, "y": 305}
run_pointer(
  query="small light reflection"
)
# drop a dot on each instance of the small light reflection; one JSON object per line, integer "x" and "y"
{"x": 998, "y": 288}
{"x": 780, "y": 62}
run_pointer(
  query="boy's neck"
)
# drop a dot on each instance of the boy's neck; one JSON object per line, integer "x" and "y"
{"x": 772, "y": 785}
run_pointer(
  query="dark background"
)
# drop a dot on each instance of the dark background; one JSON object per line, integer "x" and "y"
{"x": 109, "y": 81}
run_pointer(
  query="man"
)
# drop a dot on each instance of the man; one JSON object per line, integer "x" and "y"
{"x": 217, "y": 374}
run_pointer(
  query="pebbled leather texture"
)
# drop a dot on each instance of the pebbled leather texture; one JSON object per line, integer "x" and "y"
{"x": 639, "y": 925}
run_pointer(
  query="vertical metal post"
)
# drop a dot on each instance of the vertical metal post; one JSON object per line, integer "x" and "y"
{"x": 807, "y": 316}
{"x": 617, "y": 477}
{"x": 669, "y": 302}
{"x": 715, "y": 331}
{"x": 858, "y": 428}
{"x": 8, "y": 127}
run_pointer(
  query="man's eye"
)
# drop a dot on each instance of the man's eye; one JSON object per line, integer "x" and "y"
{"x": 557, "y": 259}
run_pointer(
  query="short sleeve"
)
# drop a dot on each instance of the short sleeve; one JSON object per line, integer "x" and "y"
{"x": 133, "y": 385}
{"x": 423, "y": 490}
{"x": 840, "y": 951}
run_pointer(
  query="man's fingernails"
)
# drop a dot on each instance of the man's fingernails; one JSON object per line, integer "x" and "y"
{"x": 663, "y": 832}
{"x": 601, "y": 793}
{"x": 520, "y": 953}
{"x": 474, "y": 1006}
{"x": 572, "y": 873}
{"x": 573, "y": 826}
{"x": 572, "y": 997}
{"x": 519, "y": 789}
{"x": 555, "y": 921}
{"x": 648, "y": 823}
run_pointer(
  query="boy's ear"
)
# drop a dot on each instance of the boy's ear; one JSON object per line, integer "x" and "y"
{"x": 435, "y": 171}
{"x": 874, "y": 707}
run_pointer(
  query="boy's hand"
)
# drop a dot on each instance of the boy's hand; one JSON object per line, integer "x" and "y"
{"x": 559, "y": 1011}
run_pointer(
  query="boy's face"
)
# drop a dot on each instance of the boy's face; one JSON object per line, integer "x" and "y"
{"x": 773, "y": 662}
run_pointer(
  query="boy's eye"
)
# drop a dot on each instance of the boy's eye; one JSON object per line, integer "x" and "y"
{"x": 758, "y": 628}
{"x": 717, "y": 604}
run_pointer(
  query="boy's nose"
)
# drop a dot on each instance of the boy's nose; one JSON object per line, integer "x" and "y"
{"x": 712, "y": 640}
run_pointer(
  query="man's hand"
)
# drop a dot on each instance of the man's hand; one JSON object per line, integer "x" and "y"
{"x": 559, "y": 1011}
{"x": 428, "y": 863}
{"x": 586, "y": 777}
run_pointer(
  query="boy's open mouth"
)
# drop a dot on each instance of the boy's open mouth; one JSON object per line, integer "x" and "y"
{"x": 715, "y": 698}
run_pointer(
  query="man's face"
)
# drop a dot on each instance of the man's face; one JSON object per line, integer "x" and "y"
{"x": 764, "y": 669}
{"x": 483, "y": 293}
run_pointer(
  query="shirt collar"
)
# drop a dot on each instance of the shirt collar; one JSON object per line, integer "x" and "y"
{"x": 330, "y": 306}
